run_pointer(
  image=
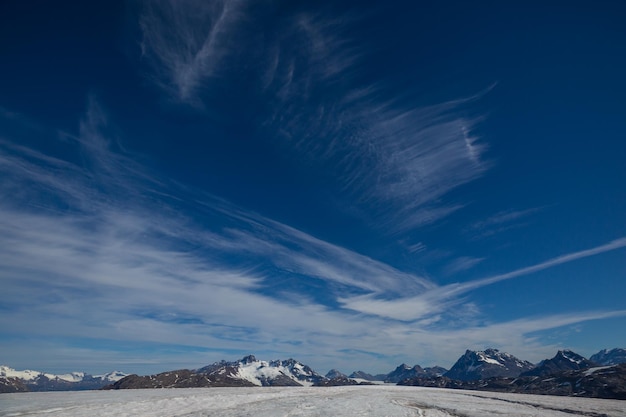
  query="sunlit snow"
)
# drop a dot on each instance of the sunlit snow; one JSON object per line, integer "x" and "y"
{"x": 296, "y": 401}
{"x": 484, "y": 358}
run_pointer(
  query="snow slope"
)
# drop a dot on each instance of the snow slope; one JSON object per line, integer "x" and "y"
{"x": 26, "y": 375}
{"x": 301, "y": 401}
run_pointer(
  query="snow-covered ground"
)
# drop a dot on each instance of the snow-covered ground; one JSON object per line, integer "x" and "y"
{"x": 308, "y": 401}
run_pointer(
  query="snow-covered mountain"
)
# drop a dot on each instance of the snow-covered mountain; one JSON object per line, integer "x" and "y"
{"x": 564, "y": 360}
{"x": 248, "y": 371}
{"x": 611, "y": 357}
{"x": 474, "y": 365}
{"x": 28, "y": 380}
{"x": 264, "y": 373}
{"x": 28, "y": 375}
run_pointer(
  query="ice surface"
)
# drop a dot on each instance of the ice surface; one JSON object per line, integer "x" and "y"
{"x": 300, "y": 401}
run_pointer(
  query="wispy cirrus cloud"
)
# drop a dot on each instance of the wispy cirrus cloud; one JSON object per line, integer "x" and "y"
{"x": 462, "y": 263}
{"x": 187, "y": 42}
{"x": 396, "y": 160}
{"x": 390, "y": 160}
{"x": 500, "y": 222}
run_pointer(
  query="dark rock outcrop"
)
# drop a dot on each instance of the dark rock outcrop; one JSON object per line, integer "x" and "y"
{"x": 337, "y": 381}
{"x": 182, "y": 378}
{"x": 404, "y": 371}
{"x": 9, "y": 384}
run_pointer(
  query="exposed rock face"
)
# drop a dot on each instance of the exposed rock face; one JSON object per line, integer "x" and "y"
{"x": 611, "y": 357}
{"x": 404, "y": 371}
{"x": 476, "y": 365}
{"x": 564, "y": 360}
{"x": 10, "y": 384}
{"x": 599, "y": 382}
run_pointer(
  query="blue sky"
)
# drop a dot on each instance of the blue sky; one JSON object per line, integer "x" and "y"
{"x": 352, "y": 184}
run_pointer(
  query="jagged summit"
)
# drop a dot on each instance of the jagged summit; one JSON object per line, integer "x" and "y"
{"x": 474, "y": 365}
{"x": 248, "y": 359}
{"x": 564, "y": 360}
{"x": 403, "y": 372}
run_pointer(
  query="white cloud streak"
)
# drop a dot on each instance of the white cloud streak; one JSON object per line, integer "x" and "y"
{"x": 442, "y": 298}
{"x": 500, "y": 222}
{"x": 462, "y": 263}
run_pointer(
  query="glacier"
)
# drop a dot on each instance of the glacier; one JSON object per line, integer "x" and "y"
{"x": 378, "y": 400}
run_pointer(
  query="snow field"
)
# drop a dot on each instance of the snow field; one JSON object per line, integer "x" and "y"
{"x": 347, "y": 401}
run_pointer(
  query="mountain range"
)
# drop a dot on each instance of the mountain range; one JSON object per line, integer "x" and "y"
{"x": 567, "y": 373}
{"x": 488, "y": 370}
{"x": 12, "y": 380}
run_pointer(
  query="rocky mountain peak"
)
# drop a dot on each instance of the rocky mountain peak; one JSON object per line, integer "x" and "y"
{"x": 564, "y": 360}
{"x": 475, "y": 365}
{"x": 248, "y": 359}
